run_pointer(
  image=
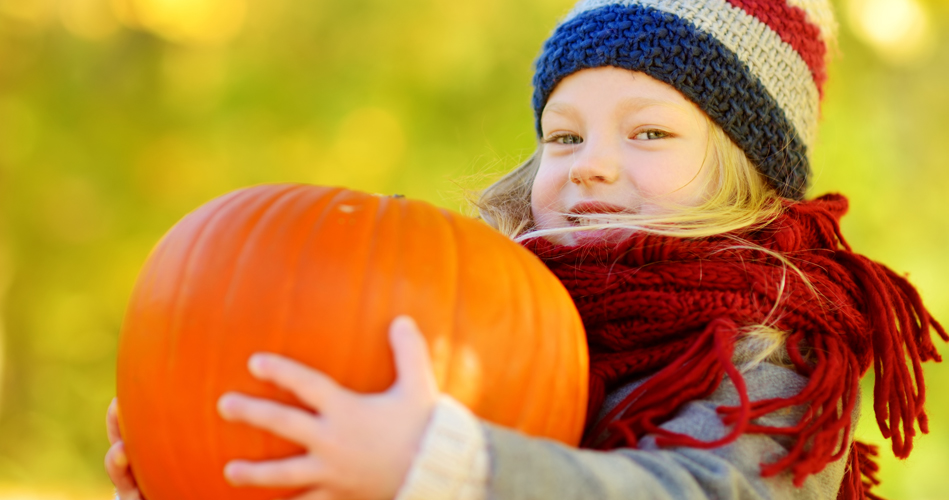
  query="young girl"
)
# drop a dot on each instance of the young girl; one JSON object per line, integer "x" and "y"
{"x": 728, "y": 321}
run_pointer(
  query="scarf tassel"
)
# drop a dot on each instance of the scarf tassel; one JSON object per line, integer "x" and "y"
{"x": 900, "y": 328}
{"x": 691, "y": 376}
{"x": 861, "y": 473}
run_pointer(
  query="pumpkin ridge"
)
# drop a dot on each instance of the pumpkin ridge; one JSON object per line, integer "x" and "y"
{"x": 530, "y": 409}
{"x": 369, "y": 299}
{"x": 275, "y": 215}
{"x": 550, "y": 422}
{"x": 175, "y": 327}
{"x": 302, "y": 255}
{"x": 246, "y": 227}
{"x": 456, "y": 288}
{"x": 318, "y": 229}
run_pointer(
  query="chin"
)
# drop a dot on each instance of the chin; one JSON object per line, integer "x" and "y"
{"x": 590, "y": 237}
{"x": 610, "y": 236}
{"x": 563, "y": 239}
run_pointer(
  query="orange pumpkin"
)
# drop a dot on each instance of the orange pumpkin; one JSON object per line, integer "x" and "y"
{"x": 318, "y": 274}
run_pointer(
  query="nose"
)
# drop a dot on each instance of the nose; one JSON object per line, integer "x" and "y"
{"x": 596, "y": 164}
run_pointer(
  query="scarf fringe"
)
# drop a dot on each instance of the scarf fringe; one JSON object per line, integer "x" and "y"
{"x": 650, "y": 405}
{"x": 900, "y": 331}
{"x": 861, "y": 473}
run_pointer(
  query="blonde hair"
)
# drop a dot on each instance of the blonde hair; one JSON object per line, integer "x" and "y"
{"x": 737, "y": 197}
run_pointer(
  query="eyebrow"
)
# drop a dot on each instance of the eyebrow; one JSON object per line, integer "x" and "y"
{"x": 558, "y": 108}
{"x": 639, "y": 103}
{"x": 631, "y": 104}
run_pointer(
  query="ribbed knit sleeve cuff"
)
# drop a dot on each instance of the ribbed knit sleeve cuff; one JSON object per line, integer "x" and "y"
{"x": 453, "y": 459}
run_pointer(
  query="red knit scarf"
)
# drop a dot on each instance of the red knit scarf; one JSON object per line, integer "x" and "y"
{"x": 673, "y": 307}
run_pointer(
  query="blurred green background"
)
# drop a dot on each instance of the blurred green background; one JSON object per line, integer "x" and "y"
{"x": 117, "y": 117}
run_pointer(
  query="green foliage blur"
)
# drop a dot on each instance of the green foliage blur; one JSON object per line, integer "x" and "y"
{"x": 117, "y": 117}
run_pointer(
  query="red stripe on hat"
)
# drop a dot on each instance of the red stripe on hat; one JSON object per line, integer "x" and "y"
{"x": 790, "y": 23}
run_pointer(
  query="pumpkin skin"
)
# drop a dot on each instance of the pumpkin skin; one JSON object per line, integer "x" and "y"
{"x": 318, "y": 274}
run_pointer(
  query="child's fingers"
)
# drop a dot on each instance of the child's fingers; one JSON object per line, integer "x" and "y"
{"x": 294, "y": 472}
{"x": 412, "y": 360}
{"x": 112, "y": 422}
{"x": 285, "y": 421}
{"x": 117, "y": 467}
{"x": 313, "y": 387}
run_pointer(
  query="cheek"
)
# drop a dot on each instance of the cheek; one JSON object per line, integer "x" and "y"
{"x": 678, "y": 175}
{"x": 545, "y": 199}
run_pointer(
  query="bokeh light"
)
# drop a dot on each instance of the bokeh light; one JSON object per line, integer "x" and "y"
{"x": 34, "y": 13}
{"x": 185, "y": 21}
{"x": 89, "y": 19}
{"x": 899, "y": 30}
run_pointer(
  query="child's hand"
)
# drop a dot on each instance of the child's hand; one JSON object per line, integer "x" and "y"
{"x": 116, "y": 461}
{"x": 359, "y": 446}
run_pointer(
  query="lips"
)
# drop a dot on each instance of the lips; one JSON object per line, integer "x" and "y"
{"x": 597, "y": 207}
{"x": 591, "y": 208}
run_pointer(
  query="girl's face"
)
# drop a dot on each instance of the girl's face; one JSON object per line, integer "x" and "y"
{"x": 615, "y": 141}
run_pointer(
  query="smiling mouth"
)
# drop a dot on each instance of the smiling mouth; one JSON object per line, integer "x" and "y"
{"x": 590, "y": 220}
{"x": 594, "y": 213}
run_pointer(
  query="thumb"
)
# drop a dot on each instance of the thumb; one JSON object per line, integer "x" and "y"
{"x": 413, "y": 364}
{"x": 112, "y": 422}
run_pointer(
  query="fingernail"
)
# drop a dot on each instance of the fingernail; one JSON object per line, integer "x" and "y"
{"x": 402, "y": 323}
{"x": 120, "y": 459}
{"x": 224, "y": 404}
{"x": 256, "y": 364}
{"x": 232, "y": 472}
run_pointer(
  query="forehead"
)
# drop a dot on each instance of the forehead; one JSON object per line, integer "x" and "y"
{"x": 616, "y": 88}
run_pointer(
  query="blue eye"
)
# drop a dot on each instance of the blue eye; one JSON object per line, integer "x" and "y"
{"x": 651, "y": 135}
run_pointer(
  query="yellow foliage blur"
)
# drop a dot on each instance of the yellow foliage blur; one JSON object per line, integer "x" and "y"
{"x": 19, "y": 493}
{"x": 117, "y": 117}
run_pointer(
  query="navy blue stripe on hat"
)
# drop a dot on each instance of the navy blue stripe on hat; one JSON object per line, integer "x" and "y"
{"x": 673, "y": 51}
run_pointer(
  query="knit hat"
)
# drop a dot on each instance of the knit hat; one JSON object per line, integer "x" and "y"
{"x": 755, "y": 67}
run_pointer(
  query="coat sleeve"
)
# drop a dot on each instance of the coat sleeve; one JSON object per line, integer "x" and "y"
{"x": 522, "y": 468}
{"x": 525, "y": 468}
